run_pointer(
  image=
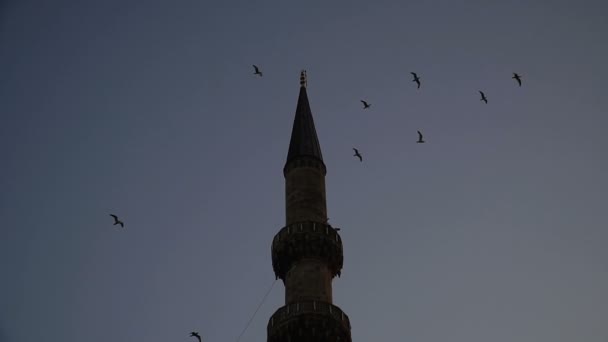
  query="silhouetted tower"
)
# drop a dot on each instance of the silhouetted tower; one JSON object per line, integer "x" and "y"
{"x": 307, "y": 252}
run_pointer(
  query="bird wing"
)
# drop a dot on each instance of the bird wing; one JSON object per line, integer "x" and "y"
{"x": 256, "y": 68}
{"x": 414, "y": 74}
{"x": 121, "y": 224}
{"x": 364, "y": 103}
{"x": 114, "y": 216}
{"x": 419, "y": 135}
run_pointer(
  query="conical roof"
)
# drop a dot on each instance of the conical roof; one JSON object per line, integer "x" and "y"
{"x": 304, "y": 141}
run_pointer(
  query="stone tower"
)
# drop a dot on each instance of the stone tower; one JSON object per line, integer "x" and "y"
{"x": 307, "y": 252}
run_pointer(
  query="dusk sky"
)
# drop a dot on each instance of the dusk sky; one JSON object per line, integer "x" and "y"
{"x": 495, "y": 229}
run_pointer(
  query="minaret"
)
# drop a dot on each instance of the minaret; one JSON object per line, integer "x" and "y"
{"x": 307, "y": 252}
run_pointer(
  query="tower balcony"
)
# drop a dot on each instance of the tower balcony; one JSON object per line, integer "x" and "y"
{"x": 306, "y": 240}
{"x": 309, "y": 321}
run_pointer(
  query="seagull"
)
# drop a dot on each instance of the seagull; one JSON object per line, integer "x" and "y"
{"x": 117, "y": 221}
{"x": 420, "y": 141}
{"x": 483, "y": 97}
{"x": 365, "y": 104}
{"x": 195, "y": 334}
{"x": 357, "y": 154}
{"x": 257, "y": 71}
{"x": 329, "y": 225}
{"x": 416, "y": 78}
{"x": 517, "y": 78}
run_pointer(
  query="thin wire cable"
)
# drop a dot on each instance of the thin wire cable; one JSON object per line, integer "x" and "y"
{"x": 256, "y": 310}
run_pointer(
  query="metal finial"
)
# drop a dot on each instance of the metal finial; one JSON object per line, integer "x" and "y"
{"x": 303, "y": 78}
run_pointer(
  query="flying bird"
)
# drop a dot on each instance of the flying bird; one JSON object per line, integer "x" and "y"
{"x": 365, "y": 104}
{"x": 195, "y": 334}
{"x": 416, "y": 78}
{"x": 117, "y": 221}
{"x": 483, "y": 97}
{"x": 517, "y": 78}
{"x": 357, "y": 154}
{"x": 420, "y": 141}
{"x": 257, "y": 70}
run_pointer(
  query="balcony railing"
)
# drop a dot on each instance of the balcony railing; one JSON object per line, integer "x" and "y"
{"x": 307, "y": 227}
{"x": 306, "y": 239}
{"x": 285, "y": 313}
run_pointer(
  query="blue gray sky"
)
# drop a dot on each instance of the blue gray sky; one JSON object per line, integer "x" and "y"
{"x": 494, "y": 230}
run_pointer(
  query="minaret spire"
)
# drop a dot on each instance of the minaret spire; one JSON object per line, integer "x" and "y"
{"x": 304, "y": 141}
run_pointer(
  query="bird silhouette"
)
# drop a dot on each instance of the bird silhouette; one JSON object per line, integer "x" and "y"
{"x": 117, "y": 221}
{"x": 365, "y": 104}
{"x": 357, "y": 154}
{"x": 483, "y": 97}
{"x": 257, "y": 70}
{"x": 330, "y": 226}
{"x": 517, "y": 78}
{"x": 420, "y": 141}
{"x": 416, "y": 78}
{"x": 195, "y": 334}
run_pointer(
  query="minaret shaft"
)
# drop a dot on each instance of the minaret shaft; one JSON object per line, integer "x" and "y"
{"x": 305, "y": 194}
{"x": 309, "y": 280}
